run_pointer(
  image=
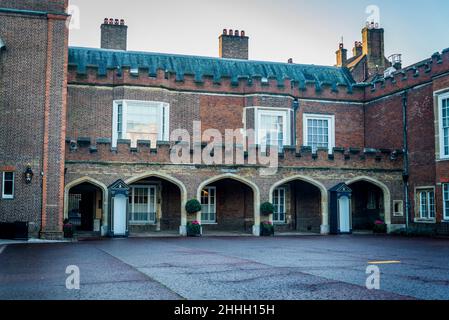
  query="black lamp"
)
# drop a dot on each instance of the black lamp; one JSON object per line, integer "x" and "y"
{"x": 28, "y": 174}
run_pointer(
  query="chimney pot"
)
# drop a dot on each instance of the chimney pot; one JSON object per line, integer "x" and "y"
{"x": 231, "y": 32}
{"x": 225, "y": 32}
{"x": 116, "y": 21}
{"x": 290, "y": 60}
{"x": 236, "y": 33}
{"x": 111, "y": 21}
{"x": 122, "y": 22}
{"x": 242, "y": 33}
{"x": 106, "y": 20}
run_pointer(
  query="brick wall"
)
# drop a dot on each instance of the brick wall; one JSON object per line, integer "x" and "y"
{"x": 33, "y": 70}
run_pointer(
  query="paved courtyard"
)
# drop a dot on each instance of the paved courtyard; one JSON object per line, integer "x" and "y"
{"x": 302, "y": 267}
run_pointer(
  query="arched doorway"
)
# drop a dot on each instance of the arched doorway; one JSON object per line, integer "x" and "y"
{"x": 156, "y": 203}
{"x": 300, "y": 205}
{"x": 230, "y": 203}
{"x": 370, "y": 202}
{"x": 85, "y": 207}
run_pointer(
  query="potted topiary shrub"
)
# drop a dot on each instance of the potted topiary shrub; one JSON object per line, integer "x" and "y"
{"x": 266, "y": 229}
{"x": 266, "y": 208}
{"x": 380, "y": 227}
{"x": 193, "y": 206}
{"x": 68, "y": 229}
{"x": 193, "y": 227}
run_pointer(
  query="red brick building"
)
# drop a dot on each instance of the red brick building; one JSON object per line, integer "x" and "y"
{"x": 96, "y": 129}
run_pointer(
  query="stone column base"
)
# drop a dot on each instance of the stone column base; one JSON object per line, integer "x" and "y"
{"x": 51, "y": 235}
{"x": 183, "y": 231}
{"x": 325, "y": 229}
{"x": 256, "y": 231}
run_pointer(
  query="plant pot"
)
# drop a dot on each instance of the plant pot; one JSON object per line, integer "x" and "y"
{"x": 68, "y": 231}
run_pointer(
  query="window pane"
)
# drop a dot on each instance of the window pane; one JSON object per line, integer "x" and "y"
{"x": 446, "y": 200}
{"x": 445, "y": 125}
{"x": 423, "y": 204}
{"x": 271, "y": 130}
{"x": 318, "y": 133}
{"x": 431, "y": 197}
{"x": 8, "y": 184}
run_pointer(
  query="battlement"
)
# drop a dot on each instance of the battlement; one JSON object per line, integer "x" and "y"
{"x": 416, "y": 74}
{"x": 207, "y": 83}
{"x": 101, "y": 150}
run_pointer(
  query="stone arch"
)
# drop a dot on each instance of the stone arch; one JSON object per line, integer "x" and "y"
{"x": 252, "y": 185}
{"x": 385, "y": 190}
{"x": 96, "y": 183}
{"x": 175, "y": 181}
{"x": 324, "y": 197}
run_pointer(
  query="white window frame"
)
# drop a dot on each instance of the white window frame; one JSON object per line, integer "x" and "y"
{"x": 212, "y": 207}
{"x": 131, "y": 213}
{"x": 442, "y": 97}
{"x": 278, "y": 221}
{"x": 8, "y": 196}
{"x": 445, "y": 208}
{"x": 279, "y": 112}
{"x": 164, "y": 118}
{"x": 330, "y": 128}
{"x": 418, "y": 195}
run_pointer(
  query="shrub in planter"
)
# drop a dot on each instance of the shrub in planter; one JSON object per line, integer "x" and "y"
{"x": 193, "y": 229}
{"x": 266, "y": 229}
{"x": 68, "y": 229}
{"x": 193, "y": 206}
{"x": 380, "y": 227}
{"x": 266, "y": 208}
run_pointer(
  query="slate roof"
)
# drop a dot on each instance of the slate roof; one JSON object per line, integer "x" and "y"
{"x": 199, "y": 66}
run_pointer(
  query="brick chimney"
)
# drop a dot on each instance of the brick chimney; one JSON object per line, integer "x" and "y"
{"x": 114, "y": 34}
{"x": 342, "y": 56}
{"x": 373, "y": 48}
{"x": 358, "y": 49}
{"x": 234, "y": 45}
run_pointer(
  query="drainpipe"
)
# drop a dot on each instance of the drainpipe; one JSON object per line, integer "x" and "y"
{"x": 295, "y": 108}
{"x": 405, "y": 174}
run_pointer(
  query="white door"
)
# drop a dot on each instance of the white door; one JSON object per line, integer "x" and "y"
{"x": 120, "y": 202}
{"x": 343, "y": 210}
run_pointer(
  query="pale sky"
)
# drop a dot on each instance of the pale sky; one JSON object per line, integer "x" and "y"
{"x": 307, "y": 31}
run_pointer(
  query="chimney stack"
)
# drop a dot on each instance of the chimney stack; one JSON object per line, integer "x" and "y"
{"x": 373, "y": 48}
{"x": 114, "y": 34}
{"x": 358, "y": 49}
{"x": 234, "y": 45}
{"x": 342, "y": 56}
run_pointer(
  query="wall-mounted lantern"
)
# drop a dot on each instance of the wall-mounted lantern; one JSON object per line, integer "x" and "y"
{"x": 28, "y": 174}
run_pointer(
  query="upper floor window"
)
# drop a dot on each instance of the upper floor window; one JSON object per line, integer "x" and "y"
{"x": 140, "y": 120}
{"x": 8, "y": 185}
{"x": 443, "y": 102}
{"x": 273, "y": 127}
{"x": 319, "y": 131}
{"x": 426, "y": 204}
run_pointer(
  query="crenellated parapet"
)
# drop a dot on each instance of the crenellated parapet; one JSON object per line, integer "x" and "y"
{"x": 417, "y": 74}
{"x": 101, "y": 150}
{"x": 204, "y": 74}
